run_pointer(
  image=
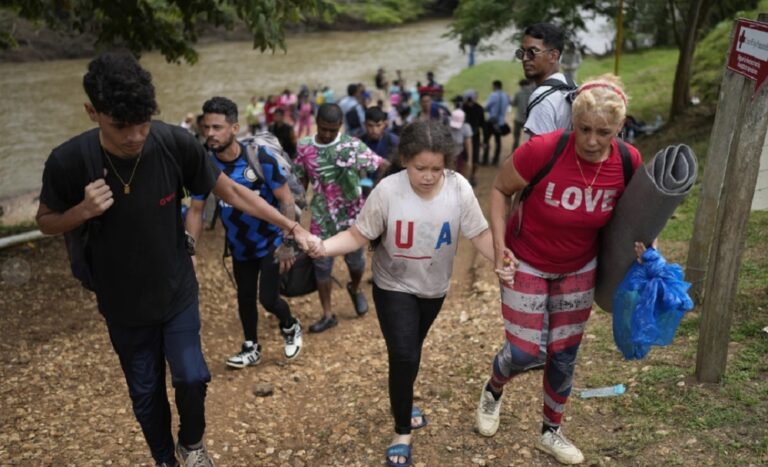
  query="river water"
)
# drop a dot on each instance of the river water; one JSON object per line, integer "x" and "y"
{"x": 43, "y": 101}
{"x": 42, "y": 104}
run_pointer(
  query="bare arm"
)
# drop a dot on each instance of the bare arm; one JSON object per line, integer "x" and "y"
{"x": 194, "y": 221}
{"x": 285, "y": 255}
{"x": 484, "y": 244}
{"x": 343, "y": 242}
{"x": 507, "y": 183}
{"x": 285, "y": 198}
{"x": 254, "y": 205}
{"x": 97, "y": 199}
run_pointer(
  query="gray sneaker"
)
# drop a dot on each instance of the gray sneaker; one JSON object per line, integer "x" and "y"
{"x": 194, "y": 457}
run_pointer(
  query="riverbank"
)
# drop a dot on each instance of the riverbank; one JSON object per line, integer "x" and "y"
{"x": 39, "y": 43}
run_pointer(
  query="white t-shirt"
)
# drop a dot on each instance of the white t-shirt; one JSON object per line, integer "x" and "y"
{"x": 459, "y": 135}
{"x": 419, "y": 237}
{"x": 552, "y": 113}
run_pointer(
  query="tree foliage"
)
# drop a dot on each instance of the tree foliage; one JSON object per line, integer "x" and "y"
{"x": 478, "y": 20}
{"x": 170, "y": 26}
{"x": 646, "y": 22}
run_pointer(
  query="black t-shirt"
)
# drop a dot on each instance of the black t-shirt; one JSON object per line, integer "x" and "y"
{"x": 142, "y": 272}
{"x": 475, "y": 116}
{"x": 283, "y": 135}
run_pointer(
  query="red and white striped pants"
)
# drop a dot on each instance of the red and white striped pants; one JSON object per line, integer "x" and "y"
{"x": 567, "y": 300}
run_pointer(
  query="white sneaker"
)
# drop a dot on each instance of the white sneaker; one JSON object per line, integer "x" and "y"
{"x": 249, "y": 355}
{"x": 293, "y": 340}
{"x": 488, "y": 411}
{"x": 557, "y": 445}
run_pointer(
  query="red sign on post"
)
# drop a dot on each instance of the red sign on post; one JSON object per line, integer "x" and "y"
{"x": 749, "y": 51}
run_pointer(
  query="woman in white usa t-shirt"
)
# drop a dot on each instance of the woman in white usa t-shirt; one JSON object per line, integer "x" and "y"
{"x": 414, "y": 217}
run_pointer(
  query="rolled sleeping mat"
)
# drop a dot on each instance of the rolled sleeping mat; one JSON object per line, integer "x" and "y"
{"x": 650, "y": 199}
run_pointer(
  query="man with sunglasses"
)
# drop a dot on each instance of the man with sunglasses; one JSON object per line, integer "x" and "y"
{"x": 548, "y": 107}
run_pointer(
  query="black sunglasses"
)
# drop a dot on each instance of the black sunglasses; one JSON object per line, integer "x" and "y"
{"x": 530, "y": 53}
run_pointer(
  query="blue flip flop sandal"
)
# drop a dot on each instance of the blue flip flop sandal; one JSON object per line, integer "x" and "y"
{"x": 416, "y": 412}
{"x": 399, "y": 450}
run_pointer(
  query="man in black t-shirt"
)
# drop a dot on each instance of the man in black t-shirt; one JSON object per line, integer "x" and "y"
{"x": 142, "y": 272}
{"x": 284, "y": 132}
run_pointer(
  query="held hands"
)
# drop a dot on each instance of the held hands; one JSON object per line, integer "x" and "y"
{"x": 506, "y": 266}
{"x": 316, "y": 248}
{"x": 97, "y": 199}
{"x": 312, "y": 244}
{"x": 298, "y": 233}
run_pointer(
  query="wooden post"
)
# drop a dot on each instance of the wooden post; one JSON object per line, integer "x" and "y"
{"x": 735, "y": 93}
{"x": 728, "y": 233}
{"x": 619, "y": 37}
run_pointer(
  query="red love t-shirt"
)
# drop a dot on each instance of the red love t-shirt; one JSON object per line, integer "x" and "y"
{"x": 561, "y": 217}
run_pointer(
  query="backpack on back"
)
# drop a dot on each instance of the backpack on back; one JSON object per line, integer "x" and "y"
{"x": 353, "y": 118}
{"x": 270, "y": 141}
{"x": 77, "y": 240}
{"x": 555, "y": 86}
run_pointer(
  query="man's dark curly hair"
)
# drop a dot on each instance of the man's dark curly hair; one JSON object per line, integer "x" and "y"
{"x": 222, "y": 106}
{"x": 119, "y": 87}
{"x": 550, "y": 34}
{"x": 426, "y": 135}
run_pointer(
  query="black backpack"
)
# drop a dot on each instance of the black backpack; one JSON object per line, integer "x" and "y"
{"x": 555, "y": 85}
{"x": 77, "y": 240}
{"x": 353, "y": 118}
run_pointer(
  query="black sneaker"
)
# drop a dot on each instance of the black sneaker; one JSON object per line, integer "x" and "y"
{"x": 358, "y": 300}
{"x": 324, "y": 324}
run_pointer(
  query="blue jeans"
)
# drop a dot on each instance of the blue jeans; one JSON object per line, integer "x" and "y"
{"x": 143, "y": 352}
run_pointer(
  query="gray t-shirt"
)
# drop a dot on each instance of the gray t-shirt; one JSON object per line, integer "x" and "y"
{"x": 552, "y": 113}
{"x": 419, "y": 237}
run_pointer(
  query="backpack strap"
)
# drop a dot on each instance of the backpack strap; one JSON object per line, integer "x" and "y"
{"x": 554, "y": 86}
{"x": 90, "y": 147}
{"x": 626, "y": 161}
{"x": 561, "y": 143}
{"x": 252, "y": 155}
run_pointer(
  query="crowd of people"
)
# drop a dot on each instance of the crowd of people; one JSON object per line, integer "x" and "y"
{"x": 392, "y": 168}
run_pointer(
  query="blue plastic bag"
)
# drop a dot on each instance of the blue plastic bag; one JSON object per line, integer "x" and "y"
{"x": 648, "y": 305}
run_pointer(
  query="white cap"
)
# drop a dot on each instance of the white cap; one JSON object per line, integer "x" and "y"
{"x": 457, "y": 118}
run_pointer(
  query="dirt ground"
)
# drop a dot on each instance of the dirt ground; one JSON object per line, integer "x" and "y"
{"x": 63, "y": 399}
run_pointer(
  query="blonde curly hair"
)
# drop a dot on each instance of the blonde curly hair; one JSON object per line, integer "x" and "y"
{"x": 603, "y": 94}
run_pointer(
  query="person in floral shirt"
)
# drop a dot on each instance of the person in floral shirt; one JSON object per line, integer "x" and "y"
{"x": 334, "y": 164}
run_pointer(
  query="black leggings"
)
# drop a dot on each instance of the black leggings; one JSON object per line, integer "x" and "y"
{"x": 247, "y": 277}
{"x": 405, "y": 320}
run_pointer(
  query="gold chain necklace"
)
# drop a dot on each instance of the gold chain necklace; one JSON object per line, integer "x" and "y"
{"x": 126, "y": 185}
{"x": 589, "y": 186}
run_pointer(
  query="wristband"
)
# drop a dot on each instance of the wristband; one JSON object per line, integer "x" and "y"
{"x": 290, "y": 232}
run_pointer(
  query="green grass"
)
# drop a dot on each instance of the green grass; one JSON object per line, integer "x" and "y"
{"x": 7, "y": 230}
{"x": 647, "y": 76}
